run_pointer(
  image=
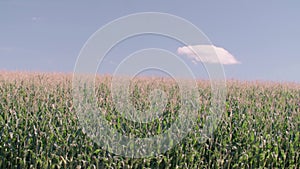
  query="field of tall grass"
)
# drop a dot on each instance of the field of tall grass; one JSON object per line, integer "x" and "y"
{"x": 39, "y": 127}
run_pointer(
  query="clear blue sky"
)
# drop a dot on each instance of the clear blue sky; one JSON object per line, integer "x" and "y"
{"x": 48, "y": 35}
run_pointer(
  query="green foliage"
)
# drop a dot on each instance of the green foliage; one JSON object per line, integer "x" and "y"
{"x": 39, "y": 127}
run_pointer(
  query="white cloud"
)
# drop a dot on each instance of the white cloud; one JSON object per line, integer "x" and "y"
{"x": 36, "y": 18}
{"x": 207, "y": 54}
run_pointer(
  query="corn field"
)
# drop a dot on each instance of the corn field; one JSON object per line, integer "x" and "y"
{"x": 39, "y": 127}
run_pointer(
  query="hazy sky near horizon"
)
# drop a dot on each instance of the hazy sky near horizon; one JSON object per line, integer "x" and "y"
{"x": 48, "y": 35}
